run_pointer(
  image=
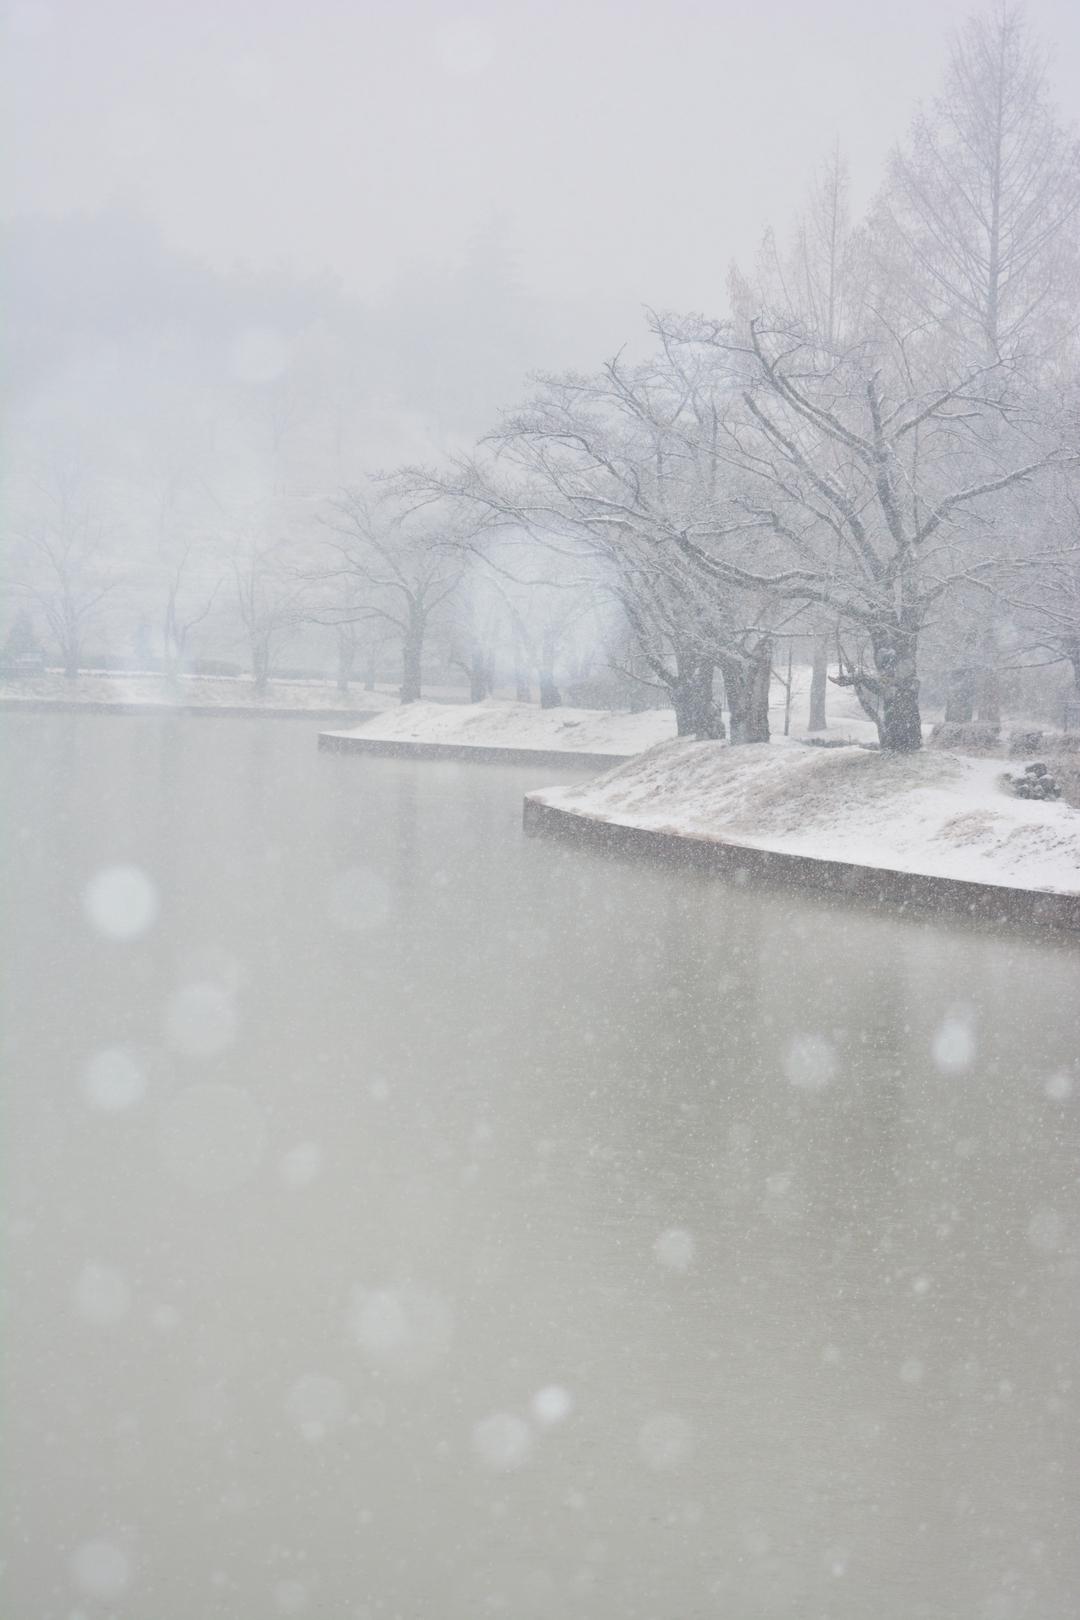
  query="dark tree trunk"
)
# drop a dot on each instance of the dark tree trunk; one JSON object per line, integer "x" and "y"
{"x": 988, "y": 699}
{"x": 696, "y": 712}
{"x": 71, "y": 662}
{"x": 988, "y": 689}
{"x": 412, "y": 649}
{"x": 1072, "y": 702}
{"x": 550, "y": 697}
{"x": 522, "y": 685}
{"x": 819, "y": 684}
{"x": 369, "y": 672}
{"x": 346, "y": 657}
{"x": 899, "y": 721}
{"x": 479, "y": 677}
{"x": 746, "y": 683}
{"x": 960, "y": 696}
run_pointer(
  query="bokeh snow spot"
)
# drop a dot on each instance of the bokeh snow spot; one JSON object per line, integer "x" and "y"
{"x": 211, "y": 1137}
{"x": 810, "y": 1062}
{"x": 120, "y": 902}
{"x": 953, "y": 1046}
{"x": 1059, "y": 1087}
{"x": 316, "y": 1405}
{"x": 502, "y": 1442}
{"x": 551, "y": 1404}
{"x": 665, "y": 1440}
{"x": 113, "y": 1080}
{"x": 101, "y": 1569}
{"x": 911, "y": 1371}
{"x": 102, "y": 1295}
{"x": 406, "y": 1330}
{"x": 200, "y": 1021}
{"x": 675, "y": 1249}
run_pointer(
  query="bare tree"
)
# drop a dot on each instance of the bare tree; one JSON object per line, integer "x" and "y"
{"x": 60, "y": 561}
{"x": 866, "y": 477}
{"x": 978, "y": 228}
{"x": 270, "y": 600}
{"x": 611, "y": 472}
{"x": 403, "y": 563}
{"x": 977, "y": 236}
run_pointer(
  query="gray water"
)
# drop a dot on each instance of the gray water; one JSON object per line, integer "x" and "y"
{"x": 406, "y": 1219}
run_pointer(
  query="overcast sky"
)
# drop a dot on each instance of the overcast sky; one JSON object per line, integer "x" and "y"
{"x": 633, "y": 149}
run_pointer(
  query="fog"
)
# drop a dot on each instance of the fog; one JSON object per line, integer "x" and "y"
{"x": 620, "y": 155}
{"x": 540, "y": 697}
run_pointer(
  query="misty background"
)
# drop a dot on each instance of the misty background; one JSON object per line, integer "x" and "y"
{"x": 457, "y": 198}
{"x": 255, "y": 254}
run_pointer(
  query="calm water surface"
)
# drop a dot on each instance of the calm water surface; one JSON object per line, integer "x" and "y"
{"x": 412, "y": 1220}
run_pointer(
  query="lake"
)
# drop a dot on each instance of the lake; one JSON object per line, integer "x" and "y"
{"x": 405, "y": 1218}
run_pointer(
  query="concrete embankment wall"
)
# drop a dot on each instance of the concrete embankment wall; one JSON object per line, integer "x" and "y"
{"x": 745, "y": 863}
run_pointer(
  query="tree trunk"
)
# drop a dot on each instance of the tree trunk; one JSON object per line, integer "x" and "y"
{"x": 1071, "y": 717}
{"x": 960, "y": 696}
{"x": 549, "y": 692}
{"x": 696, "y": 712}
{"x": 346, "y": 657}
{"x": 412, "y": 649}
{"x": 819, "y": 684}
{"x": 896, "y": 664}
{"x": 988, "y": 689}
{"x": 369, "y": 672}
{"x": 479, "y": 687}
{"x": 746, "y": 683}
{"x": 988, "y": 701}
{"x": 70, "y": 657}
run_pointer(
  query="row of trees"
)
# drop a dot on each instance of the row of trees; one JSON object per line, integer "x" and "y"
{"x": 877, "y": 446}
{"x": 386, "y": 580}
{"x": 876, "y": 449}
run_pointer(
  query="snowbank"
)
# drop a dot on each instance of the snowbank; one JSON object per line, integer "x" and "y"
{"x": 517, "y": 727}
{"x": 939, "y": 814}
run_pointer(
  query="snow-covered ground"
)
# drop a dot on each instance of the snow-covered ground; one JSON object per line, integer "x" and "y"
{"x": 496, "y": 724}
{"x": 941, "y": 814}
{"x": 190, "y": 691}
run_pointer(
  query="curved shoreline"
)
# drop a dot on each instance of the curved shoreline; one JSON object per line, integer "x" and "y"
{"x": 479, "y": 753}
{"x": 988, "y": 902}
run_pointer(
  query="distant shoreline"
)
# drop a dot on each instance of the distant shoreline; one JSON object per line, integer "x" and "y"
{"x": 219, "y": 711}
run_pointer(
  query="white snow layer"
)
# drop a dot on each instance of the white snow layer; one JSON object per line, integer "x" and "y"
{"x": 942, "y": 814}
{"x": 497, "y": 724}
